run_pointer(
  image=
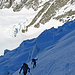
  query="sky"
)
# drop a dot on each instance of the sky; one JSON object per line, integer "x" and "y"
{"x": 8, "y": 19}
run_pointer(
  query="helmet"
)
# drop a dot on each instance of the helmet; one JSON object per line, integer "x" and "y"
{"x": 24, "y": 64}
{"x": 33, "y": 59}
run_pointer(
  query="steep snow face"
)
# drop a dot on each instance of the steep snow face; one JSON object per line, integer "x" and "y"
{"x": 52, "y": 47}
{"x": 58, "y": 60}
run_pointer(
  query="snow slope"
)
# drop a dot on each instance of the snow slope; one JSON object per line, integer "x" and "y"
{"x": 58, "y": 60}
{"x": 12, "y": 23}
{"x": 54, "y": 49}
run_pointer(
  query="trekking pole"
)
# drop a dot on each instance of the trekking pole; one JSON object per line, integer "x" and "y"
{"x": 30, "y": 73}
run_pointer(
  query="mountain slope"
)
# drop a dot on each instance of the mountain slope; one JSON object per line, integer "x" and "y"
{"x": 51, "y": 42}
{"x": 61, "y": 10}
{"x": 59, "y": 60}
{"x": 52, "y": 10}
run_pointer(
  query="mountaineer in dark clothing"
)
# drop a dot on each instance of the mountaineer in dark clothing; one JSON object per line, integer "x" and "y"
{"x": 34, "y": 62}
{"x": 25, "y": 68}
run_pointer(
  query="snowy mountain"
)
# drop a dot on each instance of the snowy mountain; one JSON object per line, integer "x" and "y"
{"x": 61, "y": 10}
{"x": 54, "y": 49}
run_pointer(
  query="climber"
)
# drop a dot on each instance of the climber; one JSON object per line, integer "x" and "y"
{"x": 34, "y": 62}
{"x": 25, "y": 69}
